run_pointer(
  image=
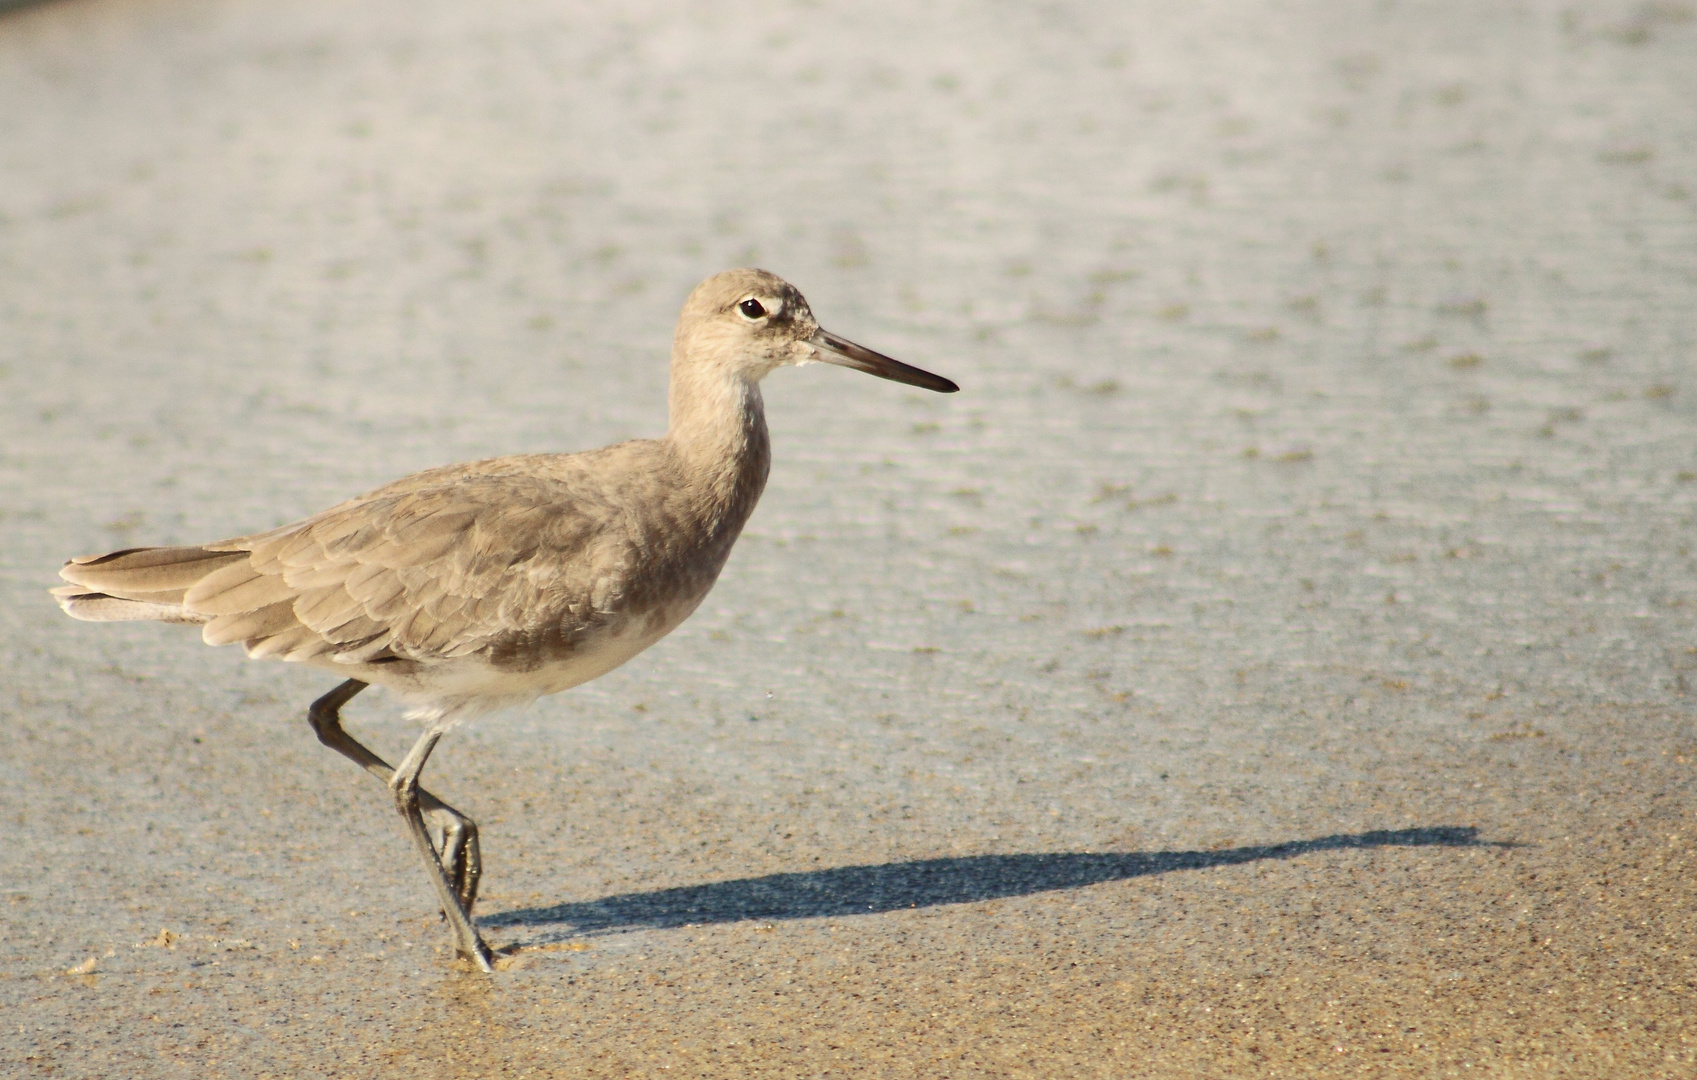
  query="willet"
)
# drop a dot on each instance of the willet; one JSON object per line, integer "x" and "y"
{"x": 473, "y": 587}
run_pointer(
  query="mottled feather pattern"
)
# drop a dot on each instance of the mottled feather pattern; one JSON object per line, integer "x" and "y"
{"x": 518, "y": 561}
{"x": 438, "y": 565}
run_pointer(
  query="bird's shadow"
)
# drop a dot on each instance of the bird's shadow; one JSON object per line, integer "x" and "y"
{"x": 867, "y": 890}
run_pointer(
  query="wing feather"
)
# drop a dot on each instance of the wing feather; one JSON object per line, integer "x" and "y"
{"x": 325, "y": 607}
{"x": 152, "y": 575}
{"x": 362, "y": 653}
{"x": 235, "y": 589}
{"x": 385, "y": 599}
{"x": 436, "y": 565}
{"x": 354, "y": 633}
{"x": 280, "y": 644}
{"x": 250, "y": 626}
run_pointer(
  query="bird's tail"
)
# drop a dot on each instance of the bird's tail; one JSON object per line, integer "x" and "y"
{"x": 138, "y": 583}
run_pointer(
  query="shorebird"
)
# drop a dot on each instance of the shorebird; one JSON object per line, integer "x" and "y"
{"x": 474, "y": 587}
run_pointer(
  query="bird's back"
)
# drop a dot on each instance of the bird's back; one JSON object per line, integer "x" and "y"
{"x": 463, "y": 588}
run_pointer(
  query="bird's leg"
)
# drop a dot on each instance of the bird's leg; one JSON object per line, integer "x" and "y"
{"x": 462, "y": 858}
{"x": 404, "y": 784}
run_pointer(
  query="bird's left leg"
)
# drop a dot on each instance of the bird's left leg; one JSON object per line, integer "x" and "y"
{"x": 462, "y": 858}
{"x": 404, "y": 785}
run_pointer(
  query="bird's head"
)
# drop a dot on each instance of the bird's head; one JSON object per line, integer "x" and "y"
{"x": 748, "y": 322}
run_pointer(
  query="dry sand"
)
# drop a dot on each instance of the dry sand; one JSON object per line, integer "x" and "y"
{"x": 1276, "y": 661}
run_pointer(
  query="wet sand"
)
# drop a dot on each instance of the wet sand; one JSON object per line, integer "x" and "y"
{"x": 1275, "y": 661}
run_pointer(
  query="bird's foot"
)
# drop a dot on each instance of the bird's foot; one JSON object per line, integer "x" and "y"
{"x": 460, "y": 854}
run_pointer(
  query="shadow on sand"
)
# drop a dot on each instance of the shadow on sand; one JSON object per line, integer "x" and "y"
{"x": 862, "y": 890}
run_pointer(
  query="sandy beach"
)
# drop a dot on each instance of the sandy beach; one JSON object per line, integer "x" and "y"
{"x": 1277, "y": 660}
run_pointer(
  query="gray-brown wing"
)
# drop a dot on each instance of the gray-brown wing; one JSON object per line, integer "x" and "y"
{"x": 420, "y": 573}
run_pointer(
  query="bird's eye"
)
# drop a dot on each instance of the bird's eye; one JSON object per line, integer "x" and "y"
{"x": 752, "y": 309}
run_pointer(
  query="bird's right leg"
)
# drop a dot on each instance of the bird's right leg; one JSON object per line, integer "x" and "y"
{"x": 404, "y": 786}
{"x": 462, "y": 858}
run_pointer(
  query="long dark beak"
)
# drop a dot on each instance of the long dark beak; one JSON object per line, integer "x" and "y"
{"x": 835, "y": 350}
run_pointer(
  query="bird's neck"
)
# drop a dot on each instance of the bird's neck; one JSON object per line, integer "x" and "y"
{"x": 718, "y": 432}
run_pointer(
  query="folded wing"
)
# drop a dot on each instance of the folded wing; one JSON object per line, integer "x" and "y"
{"x": 407, "y": 573}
